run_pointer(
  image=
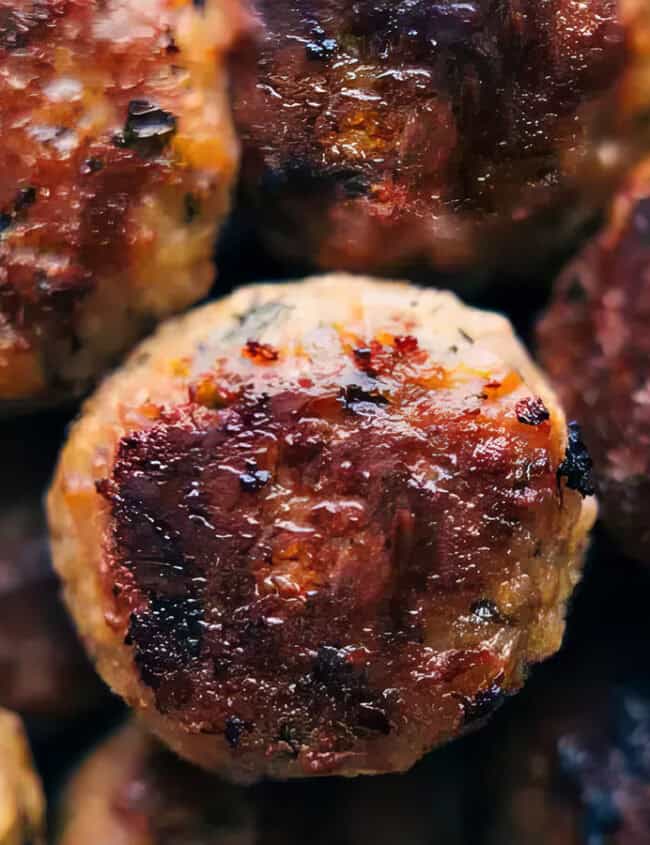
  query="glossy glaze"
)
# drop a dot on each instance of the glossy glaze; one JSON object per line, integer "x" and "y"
{"x": 379, "y": 133}
{"x": 116, "y": 160}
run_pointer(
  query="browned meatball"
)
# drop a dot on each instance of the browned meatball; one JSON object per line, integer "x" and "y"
{"x": 116, "y": 163}
{"x": 319, "y": 528}
{"x": 22, "y": 807}
{"x": 380, "y": 133}
{"x": 594, "y": 342}
{"x": 132, "y": 792}
{"x": 44, "y": 673}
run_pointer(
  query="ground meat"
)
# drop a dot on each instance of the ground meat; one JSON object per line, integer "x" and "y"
{"x": 282, "y": 523}
{"x": 116, "y": 163}
{"x": 595, "y": 344}
{"x": 378, "y": 134}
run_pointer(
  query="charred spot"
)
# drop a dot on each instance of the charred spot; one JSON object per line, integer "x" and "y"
{"x": 531, "y": 411}
{"x": 332, "y": 666}
{"x": 19, "y": 26}
{"x": 260, "y": 353}
{"x": 576, "y": 468}
{"x": 483, "y": 704}
{"x": 371, "y": 717}
{"x": 290, "y": 736}
{"x": 233, "y": 730}
{"x": 92, "y": 165}
{"x": 254, "y": 479}
{"x": 148, "y": 127}
{"x": 192, "y": 207}
{"x": 486, "y": 610}
{"x": 465, "y": 336}
{"x": 354, "y": 395}
{"x": 5, "y": 222}
{"x": 321, "y": 50}
{"x": 302, "y": 178}
{"x": 166, "y": 637}
{"x": 575, "y": 291}
{"x": 24, "y": 198}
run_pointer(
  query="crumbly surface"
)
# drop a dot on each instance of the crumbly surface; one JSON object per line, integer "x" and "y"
{"x": 382, "y": 133}
{"x": 22, "y": 806}
{"x": 594, "y": 343}
{"x": 322, "y": 527}
{"x": 116, "y": 164}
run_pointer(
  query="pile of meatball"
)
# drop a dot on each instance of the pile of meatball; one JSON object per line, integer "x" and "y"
{"x": 278, "y": 538}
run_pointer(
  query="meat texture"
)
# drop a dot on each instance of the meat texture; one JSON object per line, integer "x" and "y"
{"x": 116, "y": 164}
{"x": 377, "y": 134}
{"x": 22, "y": 806}
{"x": 319, "y": 528}
{"x": 595, "y": 344}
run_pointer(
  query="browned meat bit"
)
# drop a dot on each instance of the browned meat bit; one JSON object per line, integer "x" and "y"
{"x": 116, "y": 163}
{"x": 289, "y": 567}
{"x": 595, "y": 343}
{"x": 44, "y": 674}
{"x": 144, "y": 795}
{"x": 379, "y": 133}
{"x": 22, "y": 806}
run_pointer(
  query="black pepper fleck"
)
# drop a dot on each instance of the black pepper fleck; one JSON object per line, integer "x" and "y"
{"x": 577, "y": 465}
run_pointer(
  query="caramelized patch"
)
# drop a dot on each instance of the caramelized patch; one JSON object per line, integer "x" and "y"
{"x": 376, "y": 133}
{"x": 286, "y": 558}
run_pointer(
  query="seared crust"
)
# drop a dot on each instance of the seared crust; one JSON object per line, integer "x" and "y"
{"x": 22, "y": 807}
{"x": 321, "y": 527}
{"x": 595, "y": 344}
{"x": 116, "y": 164}
{"x": 377, "y": 134}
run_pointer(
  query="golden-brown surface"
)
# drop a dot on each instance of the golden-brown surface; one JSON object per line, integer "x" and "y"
{"x": 595, "y": 344}
{"x": 22, "y": 807}
{"x": 116, "y": 164}
{"x": 377, "y": 133}
{"x": 320, "y": 528}
{"x": 44, "y": 673}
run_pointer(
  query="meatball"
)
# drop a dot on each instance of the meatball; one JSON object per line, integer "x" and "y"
{"x": 321, "y": 527}
{"x": 116, "y": 165}
{"x": 594, "y": 342}
{"x": 22, "y": 807}
{"x": 379, "y": 134}
{"x": 44, "y": 673}
{"x": 131, "y": 791}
